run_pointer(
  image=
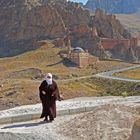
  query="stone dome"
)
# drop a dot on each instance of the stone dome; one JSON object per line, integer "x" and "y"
{"x": 78, "y": 50}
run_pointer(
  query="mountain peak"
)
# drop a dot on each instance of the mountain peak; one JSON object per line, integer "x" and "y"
{"x": 114, "y": 6}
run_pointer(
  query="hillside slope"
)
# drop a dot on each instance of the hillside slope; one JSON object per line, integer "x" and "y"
{"x": 131, "y": 22}
{"x": 114, "y": 6}
{"x": 24, "y": 22}
{"x": 21, "y": 76}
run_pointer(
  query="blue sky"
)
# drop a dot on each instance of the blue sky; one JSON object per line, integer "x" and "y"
{"x": 83, "y": 1}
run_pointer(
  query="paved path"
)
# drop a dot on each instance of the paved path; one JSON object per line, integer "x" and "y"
{"x": 67, "y": 107}
{"x": 37, "y": 129}
{"x": 109, "y": 74}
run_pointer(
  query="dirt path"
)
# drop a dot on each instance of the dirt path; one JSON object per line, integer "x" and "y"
{"x": 107, "y": 74}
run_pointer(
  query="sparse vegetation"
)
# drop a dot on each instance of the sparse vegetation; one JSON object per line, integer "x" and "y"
{"x": 20, "y": 74}
{"x": 132, "y": 74}
{"x": 124, "y": 94}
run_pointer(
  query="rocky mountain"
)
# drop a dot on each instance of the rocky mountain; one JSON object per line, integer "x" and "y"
{"x": 106, "y": 26}
{"x": 23, "y": 22}
{"x": 114, "y": 6}
{"x": 26, "y": 20}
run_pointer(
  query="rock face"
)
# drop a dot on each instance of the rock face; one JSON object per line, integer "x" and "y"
{"x": 101, "y": 26}
{"x": 113, "y": 6}
{"x": 27, "y": 19}
{"x": 22, "y": 22}
{"x": 108, "y": 26}
{"x": 136, "y": 131}
{"x": 108, "y": 122}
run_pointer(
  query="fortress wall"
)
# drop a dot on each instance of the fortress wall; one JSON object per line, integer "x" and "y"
{"x": 133, "y": 42}
{"x": 110, "y": 43}
{"x": 74, "y": 57}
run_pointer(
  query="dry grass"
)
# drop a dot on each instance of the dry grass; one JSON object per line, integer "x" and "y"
{"x": 132, "y": 74}
{"x": 18, "y": 75}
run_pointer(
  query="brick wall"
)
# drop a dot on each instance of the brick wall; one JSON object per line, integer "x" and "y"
{"x": 74, "y": 57}
{"x": 81, "y": 59}
{"x": 133, "y": 42}
{"x": 110, "y": 43}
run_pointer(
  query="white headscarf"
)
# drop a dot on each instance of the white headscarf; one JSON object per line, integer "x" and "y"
{"x": 48, "y": 80}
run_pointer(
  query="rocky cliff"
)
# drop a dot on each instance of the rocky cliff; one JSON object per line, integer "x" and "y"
{"x": 26, "y": 20}
{"x": 108, "y": 25}
{"x": 136, "y": 130}
{"x": 100, "y": 26}
{"x": 114, "y": 6}
{"x": 22, "y": 22}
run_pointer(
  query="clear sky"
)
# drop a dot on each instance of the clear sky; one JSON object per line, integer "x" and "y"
{"x": 83, "y": 1}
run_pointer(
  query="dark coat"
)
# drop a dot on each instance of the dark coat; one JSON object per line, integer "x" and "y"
{"x": 48, "y": 96}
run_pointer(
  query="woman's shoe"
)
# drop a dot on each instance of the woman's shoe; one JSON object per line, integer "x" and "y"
{"x": 45, "y": 120}
{"x": 51, "y": 120}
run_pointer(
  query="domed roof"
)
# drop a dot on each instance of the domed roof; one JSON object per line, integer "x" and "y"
{"x": 78, "y": 50}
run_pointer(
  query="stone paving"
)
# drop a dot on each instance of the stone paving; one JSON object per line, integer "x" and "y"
{"x": 66, "y": 107}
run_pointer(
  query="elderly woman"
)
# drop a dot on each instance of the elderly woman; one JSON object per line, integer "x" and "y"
{"x": 49, "y": 93}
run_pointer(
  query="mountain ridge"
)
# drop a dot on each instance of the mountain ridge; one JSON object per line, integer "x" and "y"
{"x": 115, "y": 7}
{"x": 24, "y": 22}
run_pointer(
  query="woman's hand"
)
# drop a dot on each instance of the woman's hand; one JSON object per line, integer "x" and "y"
{"x": 61, "y": 97}
{"x": 43, "y": 92}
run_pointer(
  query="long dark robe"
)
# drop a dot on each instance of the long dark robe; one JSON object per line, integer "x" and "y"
{"x": 48, "y": 96}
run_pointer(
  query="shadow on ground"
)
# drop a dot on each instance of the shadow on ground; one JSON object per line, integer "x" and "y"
{"x": 10, "y": 49}
{"x": 25, "y": 125}
{"x": 66, "y": 62}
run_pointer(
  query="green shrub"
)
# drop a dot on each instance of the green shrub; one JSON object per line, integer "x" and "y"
{"x": 124, "y": 94}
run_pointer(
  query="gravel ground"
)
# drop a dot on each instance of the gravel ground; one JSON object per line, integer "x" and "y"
{"x": 35, "y": 130}
{"x": 108, "y": 122}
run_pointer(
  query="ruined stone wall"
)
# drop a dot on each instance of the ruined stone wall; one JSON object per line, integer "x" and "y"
{"x": 74, "y": 57}
{"x": 81, "y": 59}
{"x": 133, "y": 42}
{"x": 110, "y": 43}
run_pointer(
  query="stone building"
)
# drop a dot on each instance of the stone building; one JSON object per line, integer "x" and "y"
{"x": 79, "y": 57}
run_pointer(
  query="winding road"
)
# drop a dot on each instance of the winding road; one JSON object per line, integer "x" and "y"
{"x": 109, "y": 74}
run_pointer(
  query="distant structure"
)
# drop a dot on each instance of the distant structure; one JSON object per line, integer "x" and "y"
{"x": 69, "y": 48}
{"x": 127, "y": 43}
{"x": 77, "y": 55}
{"x": 107, "y": 44}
